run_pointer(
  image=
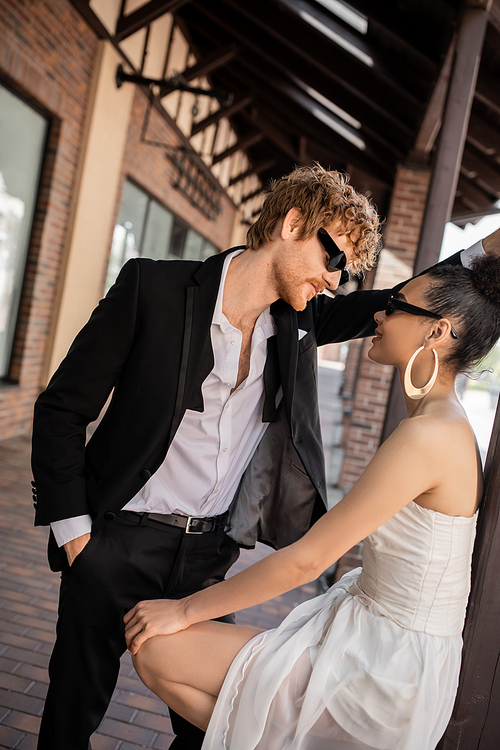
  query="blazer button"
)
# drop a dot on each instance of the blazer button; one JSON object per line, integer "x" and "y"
{"x": 145, "y": 474}
{"x": 109, "y": 515}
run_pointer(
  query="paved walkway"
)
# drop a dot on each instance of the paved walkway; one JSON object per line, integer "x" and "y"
{"x": 28, "y": 605}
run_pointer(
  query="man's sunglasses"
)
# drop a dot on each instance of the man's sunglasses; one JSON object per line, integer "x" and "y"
{"x": 337, "y": 257}
{"x": 398, "y": 304}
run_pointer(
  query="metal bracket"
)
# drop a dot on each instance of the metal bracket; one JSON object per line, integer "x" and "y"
{"x": 175, "y": 83}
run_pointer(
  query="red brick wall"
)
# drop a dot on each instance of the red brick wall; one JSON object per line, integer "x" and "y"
{"x": 46, "y": 55}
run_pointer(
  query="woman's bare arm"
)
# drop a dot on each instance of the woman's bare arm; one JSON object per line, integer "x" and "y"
{"x": 395, "y": 476}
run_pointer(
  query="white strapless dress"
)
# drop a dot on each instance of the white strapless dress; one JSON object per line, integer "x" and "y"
{"x": 372, "y": 663}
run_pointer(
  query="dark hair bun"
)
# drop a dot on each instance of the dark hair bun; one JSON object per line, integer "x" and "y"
{"x": 486, "y": 277}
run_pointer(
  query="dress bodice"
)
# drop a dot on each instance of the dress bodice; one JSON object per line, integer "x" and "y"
{"x": 416, "y": 569}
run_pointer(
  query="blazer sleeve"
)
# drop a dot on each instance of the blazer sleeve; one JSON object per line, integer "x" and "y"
{"x": 75, "y": 396}
{"x": 352, "y": 316}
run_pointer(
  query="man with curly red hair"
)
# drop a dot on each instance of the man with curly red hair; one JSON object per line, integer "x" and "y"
{"x": 211, "y": 440}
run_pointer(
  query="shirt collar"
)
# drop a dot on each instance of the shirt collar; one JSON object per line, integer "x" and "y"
{"x": 265, "y": 321}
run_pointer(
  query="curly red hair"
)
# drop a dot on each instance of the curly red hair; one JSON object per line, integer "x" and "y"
{"x": 323, "y": 198}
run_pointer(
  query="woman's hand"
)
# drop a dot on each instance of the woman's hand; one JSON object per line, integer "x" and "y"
{"x": 153, "y": 617}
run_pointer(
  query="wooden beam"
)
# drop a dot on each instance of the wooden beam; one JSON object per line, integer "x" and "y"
{"x": 83, "y": 7}
{"x": 276, "y": 135}
{"x": 241, "y": 144}
{"x": 487, "y": 90}
{"x": 129, "y": 24}
{"x": 408, "y": 23}
{"x": 288, "y": 52}
{"x": 311, "y": 13}
{"x": 396, "y": 125}
{"x": 257, "y": 169}
{"x": 475, "y": 719}
{"x": 251, "y": 195}
{"x": 483, "y": 136}
{"x": 213, "y": 60}
{"x": 452, "y": 137}
{"x": 473, "y": 196}
{"x": 462, "y": 215}
{"x": 459, "y": 210}
{"x": 274, "y": 104}
{"x": 483, "y": 171}
{"x": 238, "y": 105}
{"x": 495, "y": 15}
{"x": 434, "y": 113}
{"x": 291, "y": 30}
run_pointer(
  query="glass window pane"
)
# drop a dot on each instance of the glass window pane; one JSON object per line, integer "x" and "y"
{"x": 197, "y": 247}
{"x": 128, "y": 231}
{"x": 22, "y": 138}
{"x": 208, "y": 249}
{"x": 193, "y": 246}
{"x": 178, "y": 241}
{"x": 157, "y": 232}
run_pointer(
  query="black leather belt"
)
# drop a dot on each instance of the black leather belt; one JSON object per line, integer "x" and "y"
{"x": 189, "y": 524}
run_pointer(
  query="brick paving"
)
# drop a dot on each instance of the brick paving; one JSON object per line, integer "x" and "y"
{"x": 28, "y": 605}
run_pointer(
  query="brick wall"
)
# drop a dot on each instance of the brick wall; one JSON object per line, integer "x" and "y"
{"x": 372, "y": 382}
{"x": 46, "y": 56}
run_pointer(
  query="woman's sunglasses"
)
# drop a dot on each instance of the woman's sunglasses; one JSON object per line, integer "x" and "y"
{"x": 337, "y": 257}
{"x": 397, "y": 304}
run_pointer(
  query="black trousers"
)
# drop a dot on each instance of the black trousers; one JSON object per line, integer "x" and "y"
{"x": 123, "y": 563}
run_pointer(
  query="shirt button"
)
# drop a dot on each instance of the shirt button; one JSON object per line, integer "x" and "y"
{"x": 233, "y": 343}
{"x": 216, "y": 491}
{"x": 227, "y": 406}
{"x": 228, "y": 384}
{"x": 224, "y": 450}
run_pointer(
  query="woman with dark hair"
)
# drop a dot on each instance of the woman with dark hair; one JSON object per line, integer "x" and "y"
{"x": 373, "y": 662}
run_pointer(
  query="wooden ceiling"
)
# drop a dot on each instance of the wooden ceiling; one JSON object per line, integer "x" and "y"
{"x": 349, "y": 85}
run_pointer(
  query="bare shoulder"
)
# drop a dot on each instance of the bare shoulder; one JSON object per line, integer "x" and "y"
{"x": 441, "y": 439}
{"x": 443, "y": 426}
{"x": 443, "y": 442}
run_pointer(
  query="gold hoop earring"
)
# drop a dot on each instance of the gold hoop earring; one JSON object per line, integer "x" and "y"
{"x": 417, "y": 393}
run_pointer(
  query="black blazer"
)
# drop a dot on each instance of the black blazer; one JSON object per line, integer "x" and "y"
{"x": 148, "y": 342}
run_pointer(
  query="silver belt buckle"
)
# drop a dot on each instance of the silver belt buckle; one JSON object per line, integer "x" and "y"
{"x": 187, "y": 529}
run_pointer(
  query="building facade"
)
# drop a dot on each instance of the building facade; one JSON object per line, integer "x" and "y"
{"x": 84, "y": 185}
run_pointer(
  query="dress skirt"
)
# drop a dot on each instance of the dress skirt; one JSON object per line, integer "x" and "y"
{"x": 339, "y": 673}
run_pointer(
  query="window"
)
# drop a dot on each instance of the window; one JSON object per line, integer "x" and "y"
{"x": 22, "y": 139}
{"x": 146, "y": 229}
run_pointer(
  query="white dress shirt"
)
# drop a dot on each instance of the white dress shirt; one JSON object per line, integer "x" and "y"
{"x": 211, "y": 449}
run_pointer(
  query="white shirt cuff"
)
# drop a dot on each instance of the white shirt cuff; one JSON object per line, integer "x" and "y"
{"x": 467, "y": 256}
{"x": 70, "y": 528}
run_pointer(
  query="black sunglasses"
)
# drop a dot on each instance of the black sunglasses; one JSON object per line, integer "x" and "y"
{"x": 337, "y": 257}
{"x": 397, "y": 304}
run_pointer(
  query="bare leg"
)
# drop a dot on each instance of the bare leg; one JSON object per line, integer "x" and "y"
{"x": 186, "y": 670}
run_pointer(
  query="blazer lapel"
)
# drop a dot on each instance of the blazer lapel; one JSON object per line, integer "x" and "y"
{"x": 200, "y": 359}
{"x": 272, "y": 380}
{"x": 288, "y": 349}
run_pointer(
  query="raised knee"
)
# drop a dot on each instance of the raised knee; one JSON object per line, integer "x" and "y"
{"x": 145, "y": 661}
